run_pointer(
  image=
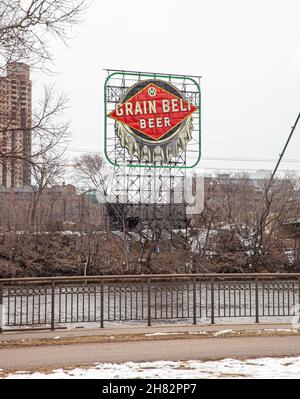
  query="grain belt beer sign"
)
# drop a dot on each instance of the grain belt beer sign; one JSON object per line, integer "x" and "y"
{"x": 153, "y": 120}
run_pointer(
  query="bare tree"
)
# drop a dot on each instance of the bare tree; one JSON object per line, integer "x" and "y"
{"x": 46, "y": 173}
{"x": 204, "y": 227}
{"x": 48, "y": 130}
{"x": 27, "y": 25}
{"x": 280, "y": 205}
{"x": 251, "y": 234}
{"x": 93, "y": 173}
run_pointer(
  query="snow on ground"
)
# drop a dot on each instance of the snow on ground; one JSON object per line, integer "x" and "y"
{"x": 287, "y": 368}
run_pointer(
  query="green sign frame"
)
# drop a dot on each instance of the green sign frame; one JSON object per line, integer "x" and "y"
{"x": 153, "y": 76}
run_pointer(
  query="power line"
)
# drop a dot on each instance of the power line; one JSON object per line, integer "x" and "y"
{"x": 232, "y": 159}
{"x": 226, "y": 159}
{"x": 226, "y": 169}
{"x": 244, "y": 143}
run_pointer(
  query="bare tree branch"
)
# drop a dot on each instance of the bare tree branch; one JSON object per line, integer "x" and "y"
{"x": 25, "y": 27}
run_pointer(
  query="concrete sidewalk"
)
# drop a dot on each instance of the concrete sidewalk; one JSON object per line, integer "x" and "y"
{"x": 143, "y": 330}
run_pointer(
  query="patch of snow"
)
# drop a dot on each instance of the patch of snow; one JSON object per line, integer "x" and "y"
{"x": 293, "y": 330}
{"x": 71, "y": 233}
{"x": 285, "y": 368}
{"x": 164, "y": 333}
{"x": 223, "y": 332}
{"x": 291, "y": 256}
{"x": 199, "y": 332}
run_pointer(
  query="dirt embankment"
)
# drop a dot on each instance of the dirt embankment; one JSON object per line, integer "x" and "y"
{"x": 93, "y": 253}
{"x": 44, "y": 255}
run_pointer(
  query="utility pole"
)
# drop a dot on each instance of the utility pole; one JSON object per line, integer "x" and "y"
{"x": 284, "y": 149}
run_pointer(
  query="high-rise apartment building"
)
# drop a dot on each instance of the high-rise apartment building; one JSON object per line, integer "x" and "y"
{"x": 15, "y": 126}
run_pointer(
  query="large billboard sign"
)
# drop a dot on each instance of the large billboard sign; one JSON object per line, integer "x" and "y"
{"x": 155, "y": 120}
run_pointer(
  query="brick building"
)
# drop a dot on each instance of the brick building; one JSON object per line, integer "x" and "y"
{"x": 15, "y": 126}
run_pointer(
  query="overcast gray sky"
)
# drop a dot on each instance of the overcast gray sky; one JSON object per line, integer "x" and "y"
{"x": 248, "y": 53}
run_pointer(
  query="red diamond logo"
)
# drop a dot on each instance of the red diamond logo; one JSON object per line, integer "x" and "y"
{"x": 153, "y": 111}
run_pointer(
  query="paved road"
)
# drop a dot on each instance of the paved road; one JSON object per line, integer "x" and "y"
{"x": 202, "y": 349}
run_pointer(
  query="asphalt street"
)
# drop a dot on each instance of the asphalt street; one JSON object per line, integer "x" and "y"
{"x": 187, "y": 349}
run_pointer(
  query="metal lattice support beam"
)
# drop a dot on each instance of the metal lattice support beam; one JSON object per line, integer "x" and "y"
{"x": 150, "y": 194}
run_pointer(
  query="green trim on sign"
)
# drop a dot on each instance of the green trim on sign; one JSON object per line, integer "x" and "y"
{"x": 153, "y": 75}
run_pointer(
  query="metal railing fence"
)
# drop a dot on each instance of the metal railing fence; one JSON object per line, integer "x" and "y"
{"x": 50, "y": 303}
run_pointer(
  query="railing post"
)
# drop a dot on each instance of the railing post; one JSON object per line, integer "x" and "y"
{"x": 212, "y": 293}
{"x": 256, "y": 301}
{"x": 149, "y": 303}
{"x": 1, "y": 307}
{"x": 102, "y": 305}
{"x": 52, "y": 305}
{"x": 194, "y": 303}
{"x": 298, "y": 310}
